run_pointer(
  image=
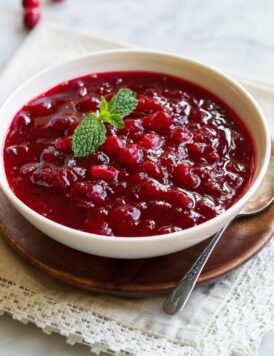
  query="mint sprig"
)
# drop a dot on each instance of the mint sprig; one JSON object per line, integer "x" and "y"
{"x": 91, "y": 133}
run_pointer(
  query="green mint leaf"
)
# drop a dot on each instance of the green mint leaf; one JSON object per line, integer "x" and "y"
{"x": 116, "y": 120}
{"x": 88, "y": 136}
{"x": 91, "y": 132}
{"x": 123, "y": 103}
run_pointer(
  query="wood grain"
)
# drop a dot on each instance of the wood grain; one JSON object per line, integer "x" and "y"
{"x": 135, "y": 278}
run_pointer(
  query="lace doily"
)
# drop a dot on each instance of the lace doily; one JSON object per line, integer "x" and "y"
{"x": 223, "y": 319}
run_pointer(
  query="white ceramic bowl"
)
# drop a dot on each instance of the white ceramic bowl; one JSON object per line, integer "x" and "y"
{"x": 125, "y": 60}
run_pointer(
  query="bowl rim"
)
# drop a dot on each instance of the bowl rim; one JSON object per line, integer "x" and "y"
{"x": 207, "y": 225}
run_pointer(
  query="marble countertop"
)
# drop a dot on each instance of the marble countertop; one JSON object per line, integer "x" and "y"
{"x": 235, "y": 34}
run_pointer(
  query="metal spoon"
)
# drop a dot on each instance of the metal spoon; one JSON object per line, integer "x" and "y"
{"x": 260, "y": 201}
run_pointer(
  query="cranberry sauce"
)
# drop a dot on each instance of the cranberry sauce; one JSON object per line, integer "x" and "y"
{"x": 183, "y": 157}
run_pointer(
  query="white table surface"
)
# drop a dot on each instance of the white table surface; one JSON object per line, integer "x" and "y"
{"x": 235, "y": 34}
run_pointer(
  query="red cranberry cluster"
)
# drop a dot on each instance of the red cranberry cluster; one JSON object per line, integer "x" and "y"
{"x": 32, "y": 12}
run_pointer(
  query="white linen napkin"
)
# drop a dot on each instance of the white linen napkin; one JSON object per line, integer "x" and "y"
{"x": 224, "y": 318}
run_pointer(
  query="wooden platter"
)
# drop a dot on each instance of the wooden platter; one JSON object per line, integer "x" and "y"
{"x": 132, "y": 278}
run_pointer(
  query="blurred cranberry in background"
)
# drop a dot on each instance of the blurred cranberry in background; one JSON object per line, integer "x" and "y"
{"x": 30, "y": 3}
{"x": 32, "y": 14}
{"x": 31, "y": 17}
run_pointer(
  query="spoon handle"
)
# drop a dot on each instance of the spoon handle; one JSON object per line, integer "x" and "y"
{"x": 179, "y": 296}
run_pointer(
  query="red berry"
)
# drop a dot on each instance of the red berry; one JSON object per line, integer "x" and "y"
{"x": 186, "y": 220}
{"x": 180, "y": 135}
{"x": 130, "y": 155}
{"x": 151, "y": 140}
{"x": 179, "y": 198}
{"x": 133, "y": 125}
{"x": 204, "y": 208}
{"x": 31, "y": 17}
{"x": 151, "y": 168}
{"x": 96, "y": 193}
{"x": 30, "y": 3}
{"x": 103, "y": 172}
{"x": 154, "y": 190}
{"x": 185, "y": 177}
{"x": 126, "y": 214}
{"x": 195, "y": 148}
{"x": 65, "y": 177}
{"x": 112, "y": 145}
{"x": 64, "y": 144}
{"x": 213, "y": 187}
{"x": 159, "y": 120}
{"x": 146, "y": 103}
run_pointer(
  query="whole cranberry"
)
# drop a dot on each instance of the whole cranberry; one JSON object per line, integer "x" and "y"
{"x": 133, "y": 125}
{"x": 64, "y": 144}
{"x": 31, "y": 17}
{"x": 159, "y": 120}
{"x": 112, "y": 145}
{"x": 153, "y": 190}
{"x": 30, "y": 3}
{"x": 96, "y": 193}
{"x": 180, "y": 135}
{"x": 151, "y": 140}
{"x": 185, "y": 177}
{"x": 151, "y": 168}
{"x": 128, "y": 214}
{"x": 130, "y": 155}
{"x": 103, "y": 172}
{"x": 179, "y": 198}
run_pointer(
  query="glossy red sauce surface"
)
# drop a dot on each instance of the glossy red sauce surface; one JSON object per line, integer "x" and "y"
{"x": 183, "y": 157}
